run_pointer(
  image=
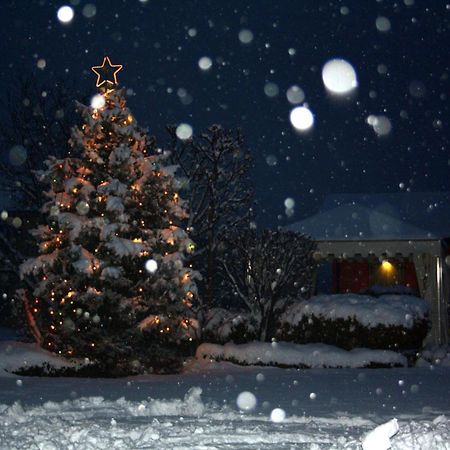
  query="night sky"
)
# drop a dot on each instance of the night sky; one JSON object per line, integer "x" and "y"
{"x": 403, "y": 74}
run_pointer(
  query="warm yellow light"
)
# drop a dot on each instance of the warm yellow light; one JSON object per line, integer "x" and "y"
{"x": 185, "y": 277}
{"x": 386, "y": 266}
{"x": 104, "y": 76}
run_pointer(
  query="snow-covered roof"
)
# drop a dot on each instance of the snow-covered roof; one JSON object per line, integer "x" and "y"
{"x": 408, "y": 215}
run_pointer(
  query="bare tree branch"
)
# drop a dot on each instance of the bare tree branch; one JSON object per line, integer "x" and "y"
{"x": 267, "y": 269}
{"x": 217, "y": 165}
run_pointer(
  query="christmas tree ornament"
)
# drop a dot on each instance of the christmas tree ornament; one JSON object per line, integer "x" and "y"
{"x": 107, "y": 74}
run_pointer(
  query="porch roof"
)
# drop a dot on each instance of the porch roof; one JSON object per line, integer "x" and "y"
{"x": 379, "y": 217}
{"x": 385, "y": 248}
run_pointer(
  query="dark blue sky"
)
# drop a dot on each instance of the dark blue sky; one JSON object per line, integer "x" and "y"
{"x": 403, "y": 74}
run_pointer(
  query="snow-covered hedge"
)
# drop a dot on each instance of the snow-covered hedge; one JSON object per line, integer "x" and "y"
{"x": 397, "y": 322}
{"x": 391, "y": 322}
{"x": 222, "y": 325}
{"x": 283, "y": 354}
{"x": 434, "y": 355}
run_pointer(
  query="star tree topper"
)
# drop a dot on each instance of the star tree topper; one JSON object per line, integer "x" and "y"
{"x": 107, "y": 74}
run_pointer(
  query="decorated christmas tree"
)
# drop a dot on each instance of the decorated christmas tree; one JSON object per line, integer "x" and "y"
{"x": 113, "y": 283}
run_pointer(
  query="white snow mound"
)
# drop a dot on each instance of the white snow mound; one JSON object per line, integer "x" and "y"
{"x": 288, "y": 354}
{"x": 369, "y": 311}
{"x": 379, "y": 438}
{"x": 15, "y": 355}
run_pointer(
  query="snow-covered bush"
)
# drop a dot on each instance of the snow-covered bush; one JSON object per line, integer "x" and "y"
{"x": 284, "y": 354}
{"x": 434, "y": 355}
{"x": 222, "y": 325}
{"x": 350, "y": 321}
{"x": 378, "y": 290}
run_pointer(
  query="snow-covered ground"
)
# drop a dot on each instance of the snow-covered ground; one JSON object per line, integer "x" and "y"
{"x": 222, "y": 406}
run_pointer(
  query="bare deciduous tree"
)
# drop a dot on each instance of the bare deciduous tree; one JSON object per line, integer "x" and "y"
{"x": 265, "y": 269}
{"x": 216, "y": 166}
{"x": 36, "y": 121}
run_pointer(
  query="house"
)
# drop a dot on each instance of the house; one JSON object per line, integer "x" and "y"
{"x": 399, "y": 241}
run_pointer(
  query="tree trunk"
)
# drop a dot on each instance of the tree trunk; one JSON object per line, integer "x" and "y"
{"x": 265, "y": 322}
{"x": 210, "y": 270}
{"x": 30, "y": 320}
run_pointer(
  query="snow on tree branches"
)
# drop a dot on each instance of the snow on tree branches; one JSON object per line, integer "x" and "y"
{"x": 108, "y": 212}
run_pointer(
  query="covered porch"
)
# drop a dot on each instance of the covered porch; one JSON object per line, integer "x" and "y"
{"x": 356, "y": 266}
{"x": 390, "y": 239}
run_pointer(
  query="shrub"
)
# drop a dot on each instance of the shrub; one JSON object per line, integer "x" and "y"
{"x": 351, "y": 321}
{"x": 349, "y": 334}
{"x": 222, "y": 325}
{"x": 102, "y": 369}
{"x": 288, "y": 355}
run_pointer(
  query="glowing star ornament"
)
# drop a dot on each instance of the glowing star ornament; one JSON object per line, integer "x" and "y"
{"x": 107, "y": 74}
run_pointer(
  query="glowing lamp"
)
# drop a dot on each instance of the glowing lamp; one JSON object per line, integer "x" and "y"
{"x": 386, "y": 266}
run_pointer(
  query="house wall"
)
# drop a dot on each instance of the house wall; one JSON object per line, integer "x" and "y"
{"x": 350, "y": 276}
{"x": 427, "y": 255}
{"x": 410, "y": 276}
{"x": 357, "y": 276}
